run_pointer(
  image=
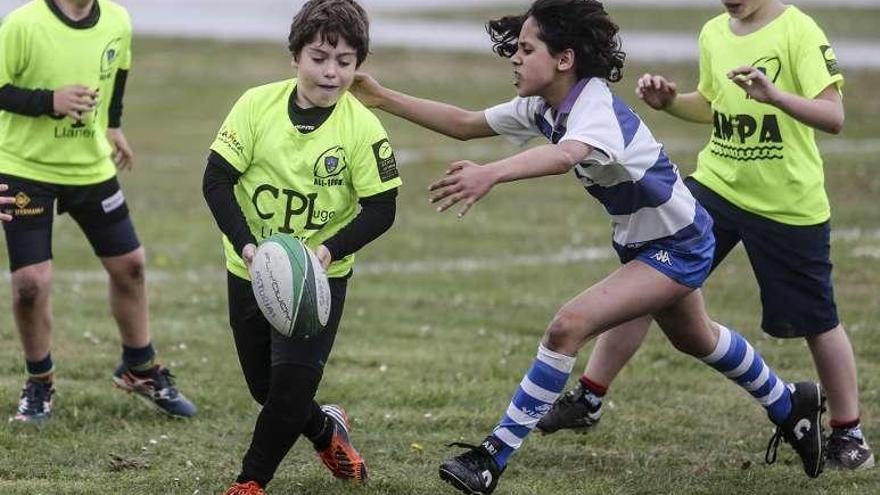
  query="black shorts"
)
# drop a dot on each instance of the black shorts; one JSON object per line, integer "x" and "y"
{"x": 98, "y": 209}
{"x": 792, "y": 264}
{"x": 260, "y": 347}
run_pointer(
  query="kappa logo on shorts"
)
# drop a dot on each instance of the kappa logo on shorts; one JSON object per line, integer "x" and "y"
{"x": 663, "y": 257}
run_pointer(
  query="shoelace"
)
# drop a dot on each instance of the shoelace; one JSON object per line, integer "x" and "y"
{"x": 164, "y": 380}
{"x": 473, "y": 455}
{"x": 34, "y": 393}
{"x": 773, "y": 445}
{"x": 836, "y": 447}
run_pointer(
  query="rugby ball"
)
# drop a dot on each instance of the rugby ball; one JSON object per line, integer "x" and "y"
{"x": 290, "y": 287}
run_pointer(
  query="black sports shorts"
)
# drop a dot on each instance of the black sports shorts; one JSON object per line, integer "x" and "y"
{"x": 99, "y": 210}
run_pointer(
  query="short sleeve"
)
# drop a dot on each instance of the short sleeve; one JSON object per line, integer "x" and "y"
{"x": 373, "y": 164}
{"x": 595, "y": 122}
{"x": 125, "y": 61}
{"x": 706, "y": 85}
{"x": 235, "y": 139}
{"x": 815, "y": 65}
{"x": 12, "y": 56}
{"x": 515, "y": 119}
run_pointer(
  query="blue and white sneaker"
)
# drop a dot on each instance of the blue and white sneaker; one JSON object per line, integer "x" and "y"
{"x": 35, "y": 403}
{"x": 156, "y": 388}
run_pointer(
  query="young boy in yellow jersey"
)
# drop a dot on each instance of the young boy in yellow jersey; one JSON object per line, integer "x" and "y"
{"x": 300, "y": 157}
{"x": 63, "y": 67}
{"x": 768, "y": 78}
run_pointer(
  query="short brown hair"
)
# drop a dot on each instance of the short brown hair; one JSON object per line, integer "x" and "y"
{"x": 331, "y": 19}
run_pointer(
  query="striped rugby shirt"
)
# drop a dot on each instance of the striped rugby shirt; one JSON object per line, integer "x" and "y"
{"x": 628, "y": 171}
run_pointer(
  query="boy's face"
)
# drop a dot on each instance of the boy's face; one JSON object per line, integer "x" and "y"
{"x": 325, "y": 72}
{"x": 742, "y": 9}
{"x": 534, "y": 68}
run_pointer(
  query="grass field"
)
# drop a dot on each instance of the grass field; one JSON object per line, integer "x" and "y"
{"x": 429, "y": 351}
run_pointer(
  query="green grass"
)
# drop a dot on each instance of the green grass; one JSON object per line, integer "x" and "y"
{"x": 837, "y": 23}
{"x": 422, "y": 358}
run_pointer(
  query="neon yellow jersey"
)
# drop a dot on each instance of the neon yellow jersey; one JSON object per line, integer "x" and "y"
{"x": 39, "y": 51}
{"x": 306, "y": 185}
{"x": 759, "y": 158}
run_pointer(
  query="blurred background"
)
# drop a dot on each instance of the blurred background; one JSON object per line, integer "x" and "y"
{"x": 442, "y": 314}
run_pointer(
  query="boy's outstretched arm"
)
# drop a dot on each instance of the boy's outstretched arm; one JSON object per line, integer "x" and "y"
{"x": 824, "y": 112}
{"x": 466, "y": 182}
{"x": 446, "y": 119}
{"x": 661, "y": 94}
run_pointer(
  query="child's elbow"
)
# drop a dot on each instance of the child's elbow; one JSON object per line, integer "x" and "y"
{"x": 836, "y": 126}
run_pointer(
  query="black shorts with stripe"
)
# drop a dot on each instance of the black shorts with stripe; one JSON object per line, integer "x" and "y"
{"x": 99, "y": 210}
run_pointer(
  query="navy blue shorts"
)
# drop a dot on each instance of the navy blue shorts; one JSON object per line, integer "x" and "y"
{"x": 98, "y": 209}
{"x": 688, "y": 263}
{"x": 792, "y": 264}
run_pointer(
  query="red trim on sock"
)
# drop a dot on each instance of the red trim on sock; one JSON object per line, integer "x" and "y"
{"x": 597, "y": 389}
{"x": 844, "y": 425}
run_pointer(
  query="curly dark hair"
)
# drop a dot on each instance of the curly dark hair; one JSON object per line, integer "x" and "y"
{"x": 581, "y": 25}
{"x": 331, "y": 19}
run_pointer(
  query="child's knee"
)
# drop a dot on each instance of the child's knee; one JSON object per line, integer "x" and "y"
{"x": 30, "y": 284}
{"x": 565, "y": 332}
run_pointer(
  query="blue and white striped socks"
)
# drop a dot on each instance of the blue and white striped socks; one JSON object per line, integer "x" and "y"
{"x": 737, "y": 359}
{"x": 533, "y": 399}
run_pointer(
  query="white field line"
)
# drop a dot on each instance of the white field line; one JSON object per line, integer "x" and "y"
{"x": 565, "y": 256}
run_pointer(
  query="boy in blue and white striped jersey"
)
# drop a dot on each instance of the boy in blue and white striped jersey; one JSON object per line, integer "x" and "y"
{"x": 564, "y": 53}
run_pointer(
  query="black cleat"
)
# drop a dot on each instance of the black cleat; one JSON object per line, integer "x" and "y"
{"x": 35, "y": 403}
{"x": 848, "y": 452}
{"x": 474, "y": 472}
{"x": 576, "y": 410}
{"x": 803, "y": 428}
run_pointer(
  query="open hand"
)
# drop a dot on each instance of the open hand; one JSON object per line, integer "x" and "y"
{"x": 123, "y": 157}
{"x": 755, "y": 83}
{"x": 656, "y": 91}
{"x": 366, "y": 89}
{"x": 465, "y": 182}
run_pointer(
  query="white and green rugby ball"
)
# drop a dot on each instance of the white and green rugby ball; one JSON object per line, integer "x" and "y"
{"x": 291, "y": 287}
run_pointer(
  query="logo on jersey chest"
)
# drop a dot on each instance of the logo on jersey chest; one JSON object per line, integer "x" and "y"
{"x": 296, "y": 206}
{"x": 110, "y": 58}
{"x": 329, "y": 166}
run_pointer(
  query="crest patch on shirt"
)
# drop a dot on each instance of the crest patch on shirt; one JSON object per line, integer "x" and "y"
{"x": 110, "y": 57}
{"x": 385, "y": 161}
{"x": 830, "y": 60}
{"x": 331, "y": 163}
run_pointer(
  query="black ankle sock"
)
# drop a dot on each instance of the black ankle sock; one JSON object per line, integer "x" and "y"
{"x": 40, "y": 371}
{"x": 140, "y": 360}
